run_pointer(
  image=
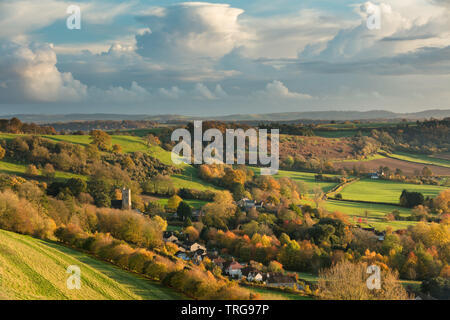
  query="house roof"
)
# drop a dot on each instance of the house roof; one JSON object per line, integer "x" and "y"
{"x": 247, "y": 270}
{"x": 234, "y": 265}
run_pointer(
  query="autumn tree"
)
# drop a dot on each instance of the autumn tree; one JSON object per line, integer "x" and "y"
{"x": 348, "y": 281}
{"x": 174, "y": 202}
{"x": 31, "y": 170}
{"x": 48, "y": 171}
{"x": 101, "y": 139}
{"x": 442, "y": 202}
{"x": 2, "y": 152}
{"x": 275, "y": 266}
{"x": 152, "y": 140}
{"x": 220, "y": 211}
{"x": 117, "y": 148}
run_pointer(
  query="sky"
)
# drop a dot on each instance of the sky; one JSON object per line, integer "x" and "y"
{"x": 224, "y": 57}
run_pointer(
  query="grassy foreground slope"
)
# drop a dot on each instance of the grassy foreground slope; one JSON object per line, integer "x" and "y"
{"x": 32, "y": 269}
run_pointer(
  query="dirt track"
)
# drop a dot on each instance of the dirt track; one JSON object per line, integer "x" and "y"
{"x": 408, "y": 168}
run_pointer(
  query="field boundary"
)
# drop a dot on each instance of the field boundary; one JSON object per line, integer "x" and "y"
{"x": 388, "y": 155}
{"x": 368, "y": 202}
{"x": 341, "y": 186}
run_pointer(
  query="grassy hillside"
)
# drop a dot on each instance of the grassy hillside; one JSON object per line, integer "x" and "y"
{"x": 33, "y": 269}
{"x": 188, "y": 179}
{"x": 19, "y": 169}
{"x": 385, "y": 191}
{"x": 421, "y": 158}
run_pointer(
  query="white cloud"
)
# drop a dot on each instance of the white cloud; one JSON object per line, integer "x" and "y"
{"x": 277, "y": 90}
{"x": 172, "y": 93}
{"x": 20, "y": 17}
{"x": 30, "y": 73}
{"x": 189, "y": 31}
{"x": 201, "y": 91}
{"x": 417, "y": 21}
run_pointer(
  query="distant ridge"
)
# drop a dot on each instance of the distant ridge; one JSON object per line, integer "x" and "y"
{"x": 285, "y": 116}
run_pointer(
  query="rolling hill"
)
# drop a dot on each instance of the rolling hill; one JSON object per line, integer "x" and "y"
{"x": 32, "y": 269}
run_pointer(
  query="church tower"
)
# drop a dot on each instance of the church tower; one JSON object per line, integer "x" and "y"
{"x": 126, "y": 199}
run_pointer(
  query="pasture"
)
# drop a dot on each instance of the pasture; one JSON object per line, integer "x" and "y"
{"x": 385, "y": 191}
{"x": 306, "y": 180}
{"x": 18, "y": 169}
{"x": 365, "y": 214}
{"x": 370, "y": 212}
{"x": 32, "y": 269}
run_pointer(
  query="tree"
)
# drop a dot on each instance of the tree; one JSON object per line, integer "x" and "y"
{"x": 411, "y": 199}
{"x": 220, "y": 211}
{"x": 48, "y": 171}
{"x": 152, "y": 140}
{"x": 238, "y": 191}
{"x": 76, "y": 186}
{"x": 31, "y": 170}
{"x": 2, "y": 152}
{"x": 117, "y": 148}
{"x": 426, "y": 172}
{"x": 275, "y": 266}
{"x": 442, "y": 202}
{"x": 101, "y": 191}
{"x": 348, "y": 281}
{"x": 192, "y": 233}
{"x": 101, "y": 139}
{"x": 184, "y": 210}
{"x": 174, "y": 202}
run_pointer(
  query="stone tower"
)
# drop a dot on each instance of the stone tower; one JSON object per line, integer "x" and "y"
{"x": 126, "y": 199}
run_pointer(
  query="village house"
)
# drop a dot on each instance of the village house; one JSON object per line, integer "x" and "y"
{"x": 169, "y": 236}
{"x": 278, "y": 280}
{"x": 193, "y": 246}
{"x": 248, "y": 204}
{"x": 252, "y": 274}
{"x": 219, "y": 262}
{"x": 233, "y": 269}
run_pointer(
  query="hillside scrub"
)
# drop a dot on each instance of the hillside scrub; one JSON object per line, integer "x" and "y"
{"x": 108, "y": 234}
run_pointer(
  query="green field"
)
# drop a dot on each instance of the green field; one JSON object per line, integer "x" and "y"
{"x": 357, "y": 210}
{"x": 32, "y": 269}
{"x": 385, "y": 191}
{"x": 375, "y": 213}
{"x": 306, "y": 178}
{"x": 421, "y": 158}
{"x": 196, "y": 204}
{"x": 19, "y": 169}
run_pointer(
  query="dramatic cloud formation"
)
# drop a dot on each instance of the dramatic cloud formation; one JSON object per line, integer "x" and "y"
{"x": 190, "y": 31}
{"x": 200, "y": 57}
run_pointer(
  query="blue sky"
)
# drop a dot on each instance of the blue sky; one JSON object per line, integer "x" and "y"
{"x": 224, "y": 57}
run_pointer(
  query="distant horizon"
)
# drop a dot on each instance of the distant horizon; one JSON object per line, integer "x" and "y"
{"x": 218, "y": 115}
{"x": 337, "y": 115}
